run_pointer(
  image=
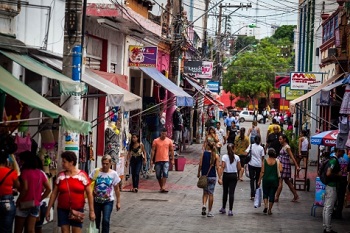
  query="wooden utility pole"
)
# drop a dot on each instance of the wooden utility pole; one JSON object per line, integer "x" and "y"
{"x": 205, "y": 30}
{"x": 177, "y": 40}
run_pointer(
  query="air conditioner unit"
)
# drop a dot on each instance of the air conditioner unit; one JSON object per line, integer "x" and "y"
{"x": 332, "y": 52}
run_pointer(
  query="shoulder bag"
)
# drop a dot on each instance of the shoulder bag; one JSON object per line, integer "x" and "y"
{"x": 7, "y": 174}
{"x": 203, "y": 180}
{"x": 74, "y": 215}
{"x": 249, "y": 155}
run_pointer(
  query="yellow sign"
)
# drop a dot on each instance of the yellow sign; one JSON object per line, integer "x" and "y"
{"x": 293, "y": 94}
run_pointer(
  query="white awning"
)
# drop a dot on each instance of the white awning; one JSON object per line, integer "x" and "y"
{"x": 313, "y": 92}
{"x": 114, "y": 96}
{"x": 333, "y": 85}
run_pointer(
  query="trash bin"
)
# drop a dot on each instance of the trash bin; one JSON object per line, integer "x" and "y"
{"x": 180, "y": 163}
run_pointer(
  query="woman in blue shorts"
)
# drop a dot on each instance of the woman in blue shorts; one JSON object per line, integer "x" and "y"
{"x": 209, "y": 165}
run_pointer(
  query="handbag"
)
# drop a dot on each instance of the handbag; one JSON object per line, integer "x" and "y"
{"x": 74, "y": 215}
{"x": 202, "y": 182}
{"x": 249, "y": 155}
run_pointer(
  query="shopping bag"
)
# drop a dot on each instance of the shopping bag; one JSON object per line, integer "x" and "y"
{"x": 92, "y": 228}
{"x": 257, "y": 198}
{"x": 246, "y": 170}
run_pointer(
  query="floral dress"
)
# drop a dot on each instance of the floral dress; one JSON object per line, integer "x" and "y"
{"x": 285, "y": 161}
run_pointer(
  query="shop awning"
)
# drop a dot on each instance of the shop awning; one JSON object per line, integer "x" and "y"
{"x": 67, "y": 85}
{"x": 313, "y": 91}
{"x": 114, "y": 97}
{"x": 131, "y": 101}
{"x": 20, "y": 91}
{"x": 196, "y": 86}
{"x": 182, "y": 98}
{"x": 333, "y": 85}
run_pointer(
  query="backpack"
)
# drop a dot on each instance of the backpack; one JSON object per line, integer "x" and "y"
{"x": 322, "y": 172}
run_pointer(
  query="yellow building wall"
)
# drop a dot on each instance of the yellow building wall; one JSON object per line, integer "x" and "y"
{"x": 138, "y": 7}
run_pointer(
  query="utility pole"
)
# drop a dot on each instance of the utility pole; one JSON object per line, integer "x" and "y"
{"x": 218, "y": 58}
{"x": 177, "y": 41}
{"x": 205, "y": 30}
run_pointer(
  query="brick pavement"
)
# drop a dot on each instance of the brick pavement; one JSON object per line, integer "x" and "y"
{"x": 180, "y": 209}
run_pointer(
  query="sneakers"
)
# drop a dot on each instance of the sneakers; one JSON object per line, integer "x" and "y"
{"x": 222, "y": 211}
{"x": 230, "y": 213}
{"x": 210, "y": 214}
{"x": 204, "y": 210}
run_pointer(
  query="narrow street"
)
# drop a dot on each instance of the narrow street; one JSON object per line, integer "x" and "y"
{"x": 180, "y": 209}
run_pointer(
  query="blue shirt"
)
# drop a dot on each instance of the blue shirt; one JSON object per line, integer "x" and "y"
{"x": 228, "y": 121}
{"x": 206, "y": 165}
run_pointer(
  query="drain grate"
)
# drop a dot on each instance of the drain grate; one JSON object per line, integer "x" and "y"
{"x": 151, "y": 199}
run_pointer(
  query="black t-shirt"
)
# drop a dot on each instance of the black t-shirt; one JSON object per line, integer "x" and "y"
{"x": 232, "y": 134}
{"x": 273, "y": 142}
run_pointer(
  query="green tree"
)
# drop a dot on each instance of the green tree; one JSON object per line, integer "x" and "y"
{"x": 252, "y": 74}
{"x": 285, "y": 31}
{"x": 242, "y": 42}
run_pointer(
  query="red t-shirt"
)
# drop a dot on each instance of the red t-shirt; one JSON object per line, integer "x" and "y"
{"x": 77, "y": 185}
{"x": 7, "y": 185}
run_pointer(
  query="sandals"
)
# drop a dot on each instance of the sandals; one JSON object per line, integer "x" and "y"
{"x": 164, "y": 191}
{"x": 269, "y": 212}
{"x": 204, "y": 210}
{"x": 295, "y": 199}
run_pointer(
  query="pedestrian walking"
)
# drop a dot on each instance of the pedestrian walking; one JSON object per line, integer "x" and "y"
{"x": 231, "y": 133}
{"x": 211, "y": 137}
{"x": 255, "y": 163}
{"x": 269, "y": 175}
{"x": 209, "y": 165}
{"x": 162, "y": 152}
{"x": 8, "y": 181}
{"x": 33, "y": 180}
{"x": 241, "y": 143}
{"x": 273, "y": 140}
{"x": 333, "y": 175}
{"x": 285, "y": 156}
{"x": 105, "y": 192}
{"x": 70, "y": 187}
{"x": 228, "y": 121}
{"x": 255, "y": 115}
{"x": 344, "y": 163}
{"x": 231, "y": 165}
{"x": 265, "y": 115}
{"x": 137, "y": 157}
{"x": 253, "y": 131}
{"x": 221, "y": 133}
{"x": 270, "y": 129}
{"x": 304, "y": 147}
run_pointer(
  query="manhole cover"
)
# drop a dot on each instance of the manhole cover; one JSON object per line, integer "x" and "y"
{"x": 150, "y": 199}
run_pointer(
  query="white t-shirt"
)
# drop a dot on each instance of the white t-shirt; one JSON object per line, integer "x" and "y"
{"x": 257, "y": 155}
{"x": 230, "y": 167}
{"x": 221, "y": 134}
{"x": 104, "y": 185}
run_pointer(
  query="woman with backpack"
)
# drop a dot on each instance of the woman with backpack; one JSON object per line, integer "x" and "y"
{"x": 284, "y": 156}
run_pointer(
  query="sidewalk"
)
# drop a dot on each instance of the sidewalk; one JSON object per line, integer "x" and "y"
{"x": 180, "y": 209}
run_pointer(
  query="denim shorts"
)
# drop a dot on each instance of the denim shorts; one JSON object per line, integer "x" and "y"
{"x": 34, "y": 212}
{"x": 62, "y": 218}
{"x": 162, "y": 169}
{"x": 211, "y": 185}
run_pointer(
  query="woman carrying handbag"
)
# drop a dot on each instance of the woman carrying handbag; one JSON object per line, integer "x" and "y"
{"x": 71, "y": 184}
{"x": 209, "y": 165}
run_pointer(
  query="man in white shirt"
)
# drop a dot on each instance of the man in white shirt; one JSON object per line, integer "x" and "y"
{"x": 221, "y": 135}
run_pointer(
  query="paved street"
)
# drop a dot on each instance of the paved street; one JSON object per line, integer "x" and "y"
{"x": 180, "y": 209}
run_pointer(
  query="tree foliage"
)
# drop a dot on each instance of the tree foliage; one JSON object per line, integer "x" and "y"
{"x": 252, "y": 74}
{"x": 285, "y": 31}
{"x": 243, "y": 41}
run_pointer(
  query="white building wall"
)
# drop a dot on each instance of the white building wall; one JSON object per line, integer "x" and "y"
{"x": 32, "y": 23}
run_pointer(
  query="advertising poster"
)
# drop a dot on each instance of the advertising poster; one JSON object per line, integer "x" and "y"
{"x": 305, "y": 81}
{"x": 140, "y": 56}
{"x": 293, "y": 94}
{"x": 207, "y": 70}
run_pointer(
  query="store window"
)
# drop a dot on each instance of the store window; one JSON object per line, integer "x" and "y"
{"x": 93, "y": 53}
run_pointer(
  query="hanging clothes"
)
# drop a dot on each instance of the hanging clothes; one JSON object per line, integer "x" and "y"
{"x": 23, "y": 144}
{"x": 345, "y": 105}
{"x": 112, "y": 144}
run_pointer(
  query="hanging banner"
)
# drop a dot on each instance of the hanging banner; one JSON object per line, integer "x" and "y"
{"x": 283, "y": 91}
{"x": 193, "y": 67}
{"x": 293, "y": 94}
{"x": 305, "y": 81}
{"x": 213, "y": 86}
{"x": 207, "y": 70}
{"x": 140, "y": 56}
